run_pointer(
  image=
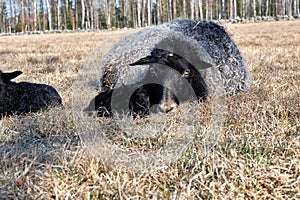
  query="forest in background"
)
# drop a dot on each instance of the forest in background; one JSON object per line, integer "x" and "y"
{"x": 43, "y": 15}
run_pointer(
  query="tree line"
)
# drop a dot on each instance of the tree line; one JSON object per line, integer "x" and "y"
{"x": 41, "y": 15}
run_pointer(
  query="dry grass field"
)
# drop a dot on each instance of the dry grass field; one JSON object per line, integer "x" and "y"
{"x": 258, "y": 150}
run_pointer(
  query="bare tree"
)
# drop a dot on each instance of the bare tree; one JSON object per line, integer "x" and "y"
{"x": 133, "y": 8}
{"x": 184, "y": 8}
{"x": 10, "y": 21}
{"x": 235, "y": 9}
{"x": 91, "y": 14}
{"x": 49, "y": 15}
{"x": 125, "y": 12}
{"x": 296, "y": 8}
{"x": 231, "y": 9}
{"x": 170, "y": 15}
{"x": 207, "y": 9}
{"x": 2, "y": 16}
{"x": 174, "y": 9}
{"x": 200, "y": 9}
{"x": 139, "y": 9}
{"x": 192, "y": 9}
{"x": 196, "y": 9}
{"x": 267, "y": 8}
{"x": 259, "y": 7}
{"x": 158, "y": 11}
{"x": 149, "y": 12}
{"x": 254, "y": 8}
{"x": 143, "y": 7}
{"x": 82, "y": 14}
{"x": 244, "y": 8}
{"x": 88, "y": 10}
{"x": 107, "y": 11}
{"x": 58, "y": 15}
{"x": 223, "y": 9}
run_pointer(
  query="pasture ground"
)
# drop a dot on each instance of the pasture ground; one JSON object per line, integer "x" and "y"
{"x": 258, "y": 151}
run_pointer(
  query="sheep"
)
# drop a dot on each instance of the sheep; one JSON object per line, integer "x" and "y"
{"x": 220, "y": 46}
{"x": 178, "y": 63}
{"x": 197, "y": 51}
{"x": 24, "y": 97}
{"x": 145, "y": 97}
{"x": 187, "y": 71}
{"x": 142, "y": 100}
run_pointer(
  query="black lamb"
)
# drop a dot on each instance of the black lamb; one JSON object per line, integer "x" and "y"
{"x": 25, "y": 97}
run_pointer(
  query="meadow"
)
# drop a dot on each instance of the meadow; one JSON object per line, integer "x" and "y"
{"x": 258, "y": 151}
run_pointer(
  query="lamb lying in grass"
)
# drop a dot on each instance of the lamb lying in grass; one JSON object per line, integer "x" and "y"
{"x": 24, "y": 97}
{"x": 197, "y": 51}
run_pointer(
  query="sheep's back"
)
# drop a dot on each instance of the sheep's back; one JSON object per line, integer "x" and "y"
{"x": 222, "y": 49}
{"x": 27, "y": 97}
{"x": 115, "y": 69}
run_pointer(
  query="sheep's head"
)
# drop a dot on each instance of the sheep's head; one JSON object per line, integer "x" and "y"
{"x": 186, "y": 70}
{"x": 7, "y": 77}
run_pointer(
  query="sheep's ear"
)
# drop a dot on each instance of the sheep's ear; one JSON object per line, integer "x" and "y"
{"x": 144, "y": 61}
{"x": 11, "y": 75}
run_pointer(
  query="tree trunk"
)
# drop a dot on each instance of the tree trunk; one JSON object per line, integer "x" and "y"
{"x": 66, "y": 14}
{"x": 254, "y": 8}
{"x": 143, "y": 8}
{"x": 298, "y": 8}
{"x": 294, "y": 7}
{"x": 133, "y": 12}
{"x": 235, "y": 9}
{"x": 174, "y": 9}
{"x": 44, "y": 16}
{"x": 149, "y": 12}
{"x": 139, "y": 9}
{"x": 192, "y": 9}
{"x": 125, "y": 10}
{"x": 207, "y": 9}
{"x": 10, "y": 21}
{"x": 184, "y": 9}
{"x": 231, "y": 9}
{"x": 88, "y": 10}
{"x": 108, "y": 13}
{"x": 196, "y": 9}
{"x": 244, "y": 9}
{"x": 49, "y": 15}
{"x": 267, "y": 8}
{"x": 223, "y": 9}
{"x": 82, "y": 14}
{"x": 76, "y": 16}
{"x": 92, "y": 14}
{"x": 58, "y": 15}
{"x": 211, "y": 12}
{"x": 259, "y": 7}
{"x": 200, "y": 10}
{"x": 158, "y": 11}
{"x": 170, "y": 15}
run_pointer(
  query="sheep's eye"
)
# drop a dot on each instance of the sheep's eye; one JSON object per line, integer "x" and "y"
{"x": 186, "y": 73}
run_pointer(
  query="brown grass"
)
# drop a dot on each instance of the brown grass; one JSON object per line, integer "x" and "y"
{"x": 258, "y": 151}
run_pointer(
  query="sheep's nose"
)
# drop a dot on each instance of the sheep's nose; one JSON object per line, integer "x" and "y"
{"x": 167, "y": 107}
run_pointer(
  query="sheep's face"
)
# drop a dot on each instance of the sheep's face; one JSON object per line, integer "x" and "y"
{"x": 169, "y": 102}
{"x": 174, "y": 73}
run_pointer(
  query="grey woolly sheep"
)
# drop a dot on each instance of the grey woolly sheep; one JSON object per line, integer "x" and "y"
{"x": 220, "y": 46}
{"x": 201, "y": 53}
{"x": 24, "y": 97}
